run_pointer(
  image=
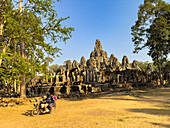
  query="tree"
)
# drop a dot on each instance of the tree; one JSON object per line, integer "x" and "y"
{"x": 166, "y": 67}
{"x": 143, "y": 65}
{"x": 29, "y": 37}
{"x": 54, "y": 67}
{"x": 152, "y": 30}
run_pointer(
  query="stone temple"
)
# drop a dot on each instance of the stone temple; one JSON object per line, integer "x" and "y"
{"x": 94, "y": 69}
{"x": 97, "y": 74}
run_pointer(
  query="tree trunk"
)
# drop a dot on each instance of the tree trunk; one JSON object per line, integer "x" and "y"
{"x": 160, "y": 77}
{"x": 15, "y": 86}
{"x": 23, "y": 87}
{"x": 22, "y": 51}
{"x": 18, "y": 87}
{"x": 1, "y": 39}
{"x": 1, "y": 28}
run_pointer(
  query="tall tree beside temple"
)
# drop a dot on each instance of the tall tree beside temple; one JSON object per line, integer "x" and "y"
{"x": 28, "y": 38}
{"x": 152, "y": 30}
{"x": 54, "y": 67}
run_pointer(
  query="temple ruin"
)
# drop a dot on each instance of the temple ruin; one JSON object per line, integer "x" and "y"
{"x": 96, "y": 74}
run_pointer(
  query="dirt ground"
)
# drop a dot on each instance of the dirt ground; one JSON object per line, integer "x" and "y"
{"x": 138, "y": 109}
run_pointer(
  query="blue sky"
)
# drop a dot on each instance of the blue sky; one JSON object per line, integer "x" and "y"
{"x": 109, "y": 21}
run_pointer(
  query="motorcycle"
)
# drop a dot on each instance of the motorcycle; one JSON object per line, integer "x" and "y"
{"x": 42, "y": 107}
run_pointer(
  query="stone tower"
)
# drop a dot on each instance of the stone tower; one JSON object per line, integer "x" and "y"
{"x": 125, "y": 63}
{"x": 99, "y": 56}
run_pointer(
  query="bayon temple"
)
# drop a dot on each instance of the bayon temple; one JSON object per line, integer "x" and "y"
{"x": 97, "y": 74}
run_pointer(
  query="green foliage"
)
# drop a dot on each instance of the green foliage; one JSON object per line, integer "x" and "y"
{"x": 166, "y": 67}
{"x": 54, "y": 67}
{"x": 41, "y": 29}
{"x": 152, "y": 30}
{"x": 143, "y": 66}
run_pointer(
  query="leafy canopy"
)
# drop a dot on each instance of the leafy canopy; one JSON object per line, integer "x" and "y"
{"x": 152, "y": 29}
{"x": 41, "y": 29}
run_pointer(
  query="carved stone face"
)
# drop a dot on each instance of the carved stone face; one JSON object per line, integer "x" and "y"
{"x": 125, "y": 61}
{"x": 92, "y": 54}
{"x": 83, "y": 62}
{"x": 91, "y": 63}
{"x": 75, "y": 64}
{"x": 105, "y": 54}
{"x": 68, "y": 64}
{"x": 97, "y": 53}
{"x": 112, "y": 56}
{"x": 113, "y": 61}
{"x": 98, "y": 45}
{"x": 135, "y": 64}
{"x": 61, "y": 68}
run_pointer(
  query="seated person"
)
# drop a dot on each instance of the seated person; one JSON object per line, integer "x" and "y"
{"x": 50, "y": 100}
{"x": 53, "y": 100}
{"x": 44, "y": 102}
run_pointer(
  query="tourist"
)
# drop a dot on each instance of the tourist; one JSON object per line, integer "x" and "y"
{"x": 50, "y": 100}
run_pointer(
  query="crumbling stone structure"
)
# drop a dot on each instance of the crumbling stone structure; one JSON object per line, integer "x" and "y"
{"x": 98, "y": 73}
{"x": 96, "y": 68}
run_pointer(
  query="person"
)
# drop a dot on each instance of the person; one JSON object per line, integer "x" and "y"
{"x": 54, "y": 98}
{"x": 44, "y": 98}
{"x": 50, "y": 100}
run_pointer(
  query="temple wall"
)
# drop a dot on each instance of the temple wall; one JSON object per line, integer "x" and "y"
{"x": 100, "y": 70}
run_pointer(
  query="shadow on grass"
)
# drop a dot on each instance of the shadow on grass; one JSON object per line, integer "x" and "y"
{"x": 106, "y": 98}
{"x": 139, "y": 99}
{"x": 162, "y": 125}
{"x": 97, "y": 95}
{"x": 76, "y": 99}
{"x": 137, "y": 95}
{"x": 163, "y": 112}
{"x": 27, "y": 113}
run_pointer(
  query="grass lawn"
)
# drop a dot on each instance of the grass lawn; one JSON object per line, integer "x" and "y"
{"x": 137, "y": 109}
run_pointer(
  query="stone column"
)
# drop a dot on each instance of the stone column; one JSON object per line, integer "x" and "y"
{"x": 86, "y": 89}
{"x": 96, "y": 77}
{"x": 84, "y": 77}
{"x": 87, "y": 76}
{"x": 93, "y": 76}
{"x": 100, "y": 78}
{"x": 117, "y": 76}
{"x": 81, "y": 79}
{"x": 125, "y": 78}
{"x": 64, "y": 80}
{"x": 104, "y": 79}
{"x": 67, "y": 74}
{"x": 67, "y": 77}
{"x": 68, "y": 81}
{"x": 72, "y": 77}
{"x": 121, "y": 78}
{"x": 90, "y": 72}
{"x": 76, "y": 76}
{"x": 68, "y": 89}
{"x": 57, "y": 80}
